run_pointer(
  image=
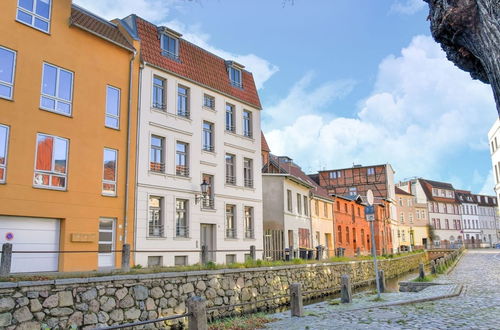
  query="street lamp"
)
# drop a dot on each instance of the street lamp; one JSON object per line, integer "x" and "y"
{"x": 204, "y": 190}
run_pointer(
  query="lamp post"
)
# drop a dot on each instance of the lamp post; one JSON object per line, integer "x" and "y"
{"x": 370, "y": 217}
{"x": 204, "y": 190}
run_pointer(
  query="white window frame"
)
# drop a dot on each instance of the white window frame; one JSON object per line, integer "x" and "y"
{"x": 116, "y": 173}
{"x": 249, "y": 222}
{"x": 212, "y": 101}
{"x": 161, "y": 218}
{"x": 248, "y": 172}
{"x": 234, "y": 229}
{"x": 184, "y": 172}
{"x": 6, "y": 83}
{"x": 162, "y": 149}
{"x": 185, "y": 212}
{"x": 163, "y": 105}
{"x": 248, "y": 133}
{"x": 234, "y": 83}
{"x": 119, "y": 106}
{"x": 51, "y": 172}
{"x": 4, "y": 165}
{"x": 211, "y": 132}
{"x": 230, "y": 127}
{"x": 56, "y": 98}
{"x": 34, "y": 15}
{"x": 164, "y": 51}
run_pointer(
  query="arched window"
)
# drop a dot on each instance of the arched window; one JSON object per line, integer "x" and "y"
{"x": 339, "y": 234}
{"x": 347, "y": 235}
{"x": 363, "y": 237}
{"x": 354, "y": 235}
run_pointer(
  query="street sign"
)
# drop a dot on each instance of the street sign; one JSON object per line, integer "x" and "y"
{"x": 370, "y": 217}
{"x": 369, "y": 197}
{"x": 370, "y": 213}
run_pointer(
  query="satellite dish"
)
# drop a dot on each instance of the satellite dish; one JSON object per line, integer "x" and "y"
{"x": 369, "y": 197}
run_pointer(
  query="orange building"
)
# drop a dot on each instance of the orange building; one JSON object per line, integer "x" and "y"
{"x": 67, "y": 126}
{"x": 382, "y": 227}
{"x": 352, "y": 231}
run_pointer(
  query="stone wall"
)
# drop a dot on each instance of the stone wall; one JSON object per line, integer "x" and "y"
{"x": 92, "y": 302}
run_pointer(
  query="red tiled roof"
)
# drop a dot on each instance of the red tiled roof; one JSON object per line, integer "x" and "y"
{"x": 400, "y": 191}
{"x": 263, "y": 143}
{"x": 427, "y": 186}
{"x": 195, "y": 64}
{"x": 94, "y": 24}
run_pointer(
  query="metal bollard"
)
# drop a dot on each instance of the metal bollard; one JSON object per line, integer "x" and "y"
{"x": 381, "y": 280}
{"x": 204, "y": 254}
{"x": 421, "y": 272}
{"x": 345, "y": 289}
{"x": 296, "y": 303}
{"x": 197, "y": 319}
{"x": 433, "y": 267}
{"x": 6, "y": 259}
{"x": 126, "y": 257}
{"x": 253, "y": 253}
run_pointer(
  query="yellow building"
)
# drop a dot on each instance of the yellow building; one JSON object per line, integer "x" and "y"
{"x": 67, "y": 132}
{"x": 412, "y": 229}
{"x": 322, "y": 220}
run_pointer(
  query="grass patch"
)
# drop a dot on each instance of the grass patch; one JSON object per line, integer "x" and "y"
{"x": 334, "y": 302}
{"x": 310, "y": 314}
{"x": 254, "y": 321}
{"x": 427, "y": 278}
{"x": 377, "y": 299}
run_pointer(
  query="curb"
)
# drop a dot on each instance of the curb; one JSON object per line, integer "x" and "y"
{"x": 452, "y": 267}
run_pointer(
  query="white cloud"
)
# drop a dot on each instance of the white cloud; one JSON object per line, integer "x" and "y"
{"x": 261, "y": 69}
{"x": 407, "y": 7}
{"x": 488, "y": 185}
{"x": 153, "y": 10}
{"x": 422, "y": 111}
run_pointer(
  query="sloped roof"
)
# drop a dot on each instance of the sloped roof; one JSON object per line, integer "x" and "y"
{"x": 194, "y": 64}
{"x": 486, "y": 200}
{"x": 263, "y": 142}
{"x": 98, "y": 26}
{"x": 427, "y": 186}
{"x": 400, "y": 191}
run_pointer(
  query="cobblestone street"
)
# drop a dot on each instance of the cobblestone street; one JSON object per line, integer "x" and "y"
{"x": 478, "y": 307}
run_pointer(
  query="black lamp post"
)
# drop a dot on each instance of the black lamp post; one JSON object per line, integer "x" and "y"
{"x": 204, "y": 190}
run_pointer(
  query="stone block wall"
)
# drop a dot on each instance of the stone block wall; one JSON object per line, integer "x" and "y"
{"x": 88, "y": 303}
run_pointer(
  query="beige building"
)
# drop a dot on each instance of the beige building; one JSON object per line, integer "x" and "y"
{"x": 322, "y": 218}
{"x": 413, "y": 222}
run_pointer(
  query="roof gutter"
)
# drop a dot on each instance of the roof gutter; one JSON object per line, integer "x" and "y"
{"x": 101, "y": 36}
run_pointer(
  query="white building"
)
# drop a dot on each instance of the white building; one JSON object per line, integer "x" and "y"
{"x": 199, "y": 122}
{"x": 494, "y": 139}
{"x": 470, "y": 217}
{"x": 488, "y": 219}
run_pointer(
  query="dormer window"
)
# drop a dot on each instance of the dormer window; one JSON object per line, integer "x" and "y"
{"x": 169, "y": 43}
{"x": 234, "y": 70}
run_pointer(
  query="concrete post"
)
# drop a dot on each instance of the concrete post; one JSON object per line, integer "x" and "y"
{"x": 126, "y": 258}
{"x": 6, "y": 259}
{"x": 381, "y": 282}
{"x": 421, "y": 271}
{"x": 345, "y": 289}
{"x": 319, "y": 252}
{"x": 197, "y": 308}
{"x": 204, "y": 254}
{"x": 358, "y": 252}
{"x": 433, "y": 267}
{"x": 296, "y": 303}
{"x": 253, "y": 253}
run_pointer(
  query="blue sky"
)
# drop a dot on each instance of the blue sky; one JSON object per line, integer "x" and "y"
{"x": 344, "y": 81}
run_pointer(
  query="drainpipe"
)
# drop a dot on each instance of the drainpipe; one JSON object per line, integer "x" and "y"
{"x": 129, "y": 127}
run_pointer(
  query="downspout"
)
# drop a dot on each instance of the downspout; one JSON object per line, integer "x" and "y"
{"x": 129, "y": 127}
{"x": 137, "y": 150}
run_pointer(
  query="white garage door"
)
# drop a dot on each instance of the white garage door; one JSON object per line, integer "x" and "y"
{"x": 31, "y": 234}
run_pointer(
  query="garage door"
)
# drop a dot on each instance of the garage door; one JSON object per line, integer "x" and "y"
{"x": 31, "y": 234}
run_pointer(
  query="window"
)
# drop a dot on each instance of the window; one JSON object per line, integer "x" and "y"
{"x": 235, "y": 77}
{"x": 230, "y": 221}
{"x": 402, "y": 217}
{"x": 447, "y": 224}
{"x": 347, "y": 240}
{"x": 306, "y": 206}
{"x": 230, "y": 259}
{"x": 170, "y": 46}
{"x": 248, "y": 172}
{"x": 208, "y": 201}
{"x": 316, "y": 207}
{"x": 109, "y": 172}
{"x": 209, "y": 101}
{"x": 112, "y": 107}
{"x": 208, "y": 136}
{"x": 247, "y": 124}
{"x": 159, "y": 93}
{"x": 181, "y": 225}
{"x": 156, "y": 216}
{"x": 249, "y": 230}
{"x": 371, "y": 171}
{"x": 353, "y": 191}
{"x": 335, "y": 174}
{"x": 57, "y": 89}
{"x": 363, "y": 237}
{"x": 155, "y": 261}
{"x": 304, "y": 238}
{"x": 35, "y": 13}
{"x": 183, "y": 101}
{"x": 338, "y": 206}
{"x": 299, "y": 204}
{"x": 7, "y": 69}
{"x": 289, "y": 200}
{"x": 182, "y": 159}
{"x": 339, "y": 234}
{"x": 325, "y": 209}
{"x": 157, "y": 154}
{"x": 230, "y": 118}
{"x": 230, "y": 169}
{"x": 4, "y": 144}
{"x": 51, "y": 162}
{"x": 410, "y": 217}
{"x": 180, "y": 260}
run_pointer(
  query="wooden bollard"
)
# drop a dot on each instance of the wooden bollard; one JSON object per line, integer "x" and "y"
{"x": 296, "y": 303}
{"x": 381, "y": 280}
{"x": 345, "y": 290}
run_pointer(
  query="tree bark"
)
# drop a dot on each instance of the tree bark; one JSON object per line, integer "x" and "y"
{"x": 469, "y": 33}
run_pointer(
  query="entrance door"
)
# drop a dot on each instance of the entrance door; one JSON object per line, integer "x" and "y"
{"x": 208, "y": 239}
{"x": 106, "y": 257}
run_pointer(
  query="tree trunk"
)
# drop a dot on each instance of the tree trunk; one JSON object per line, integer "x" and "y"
{"x": 469, "y": 33}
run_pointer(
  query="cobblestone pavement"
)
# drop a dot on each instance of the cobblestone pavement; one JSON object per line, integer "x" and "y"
{"x": 478, "y": 307}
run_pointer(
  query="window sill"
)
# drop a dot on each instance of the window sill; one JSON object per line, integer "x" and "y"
{"x": 249, "y": 188}
{"x": 230, "y": 185}
{"x": 157, "y": 173}
{"x": 182, "y": 177}
{"x": 7, "y": 99}
{"x": 209, "y": 210}
{"x": 249, "y": 239}
{"x": 50, "y": 188}
{"x": 182, "y": 238}
{"x": 231, "y": 238}
{"x": 154, "y": 238}
{"x": 209, "y": 109}
{"x": 211, "y": 153}
{"x": 233, "y": 133}
{"x": 160, "y": 110}
{"x": 108, "y": 195}
{"x": 56, "y": 113}
{"x": 113, "y": 128}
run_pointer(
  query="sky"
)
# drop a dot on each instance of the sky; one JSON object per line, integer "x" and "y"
{"x": 344, "y": 82}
